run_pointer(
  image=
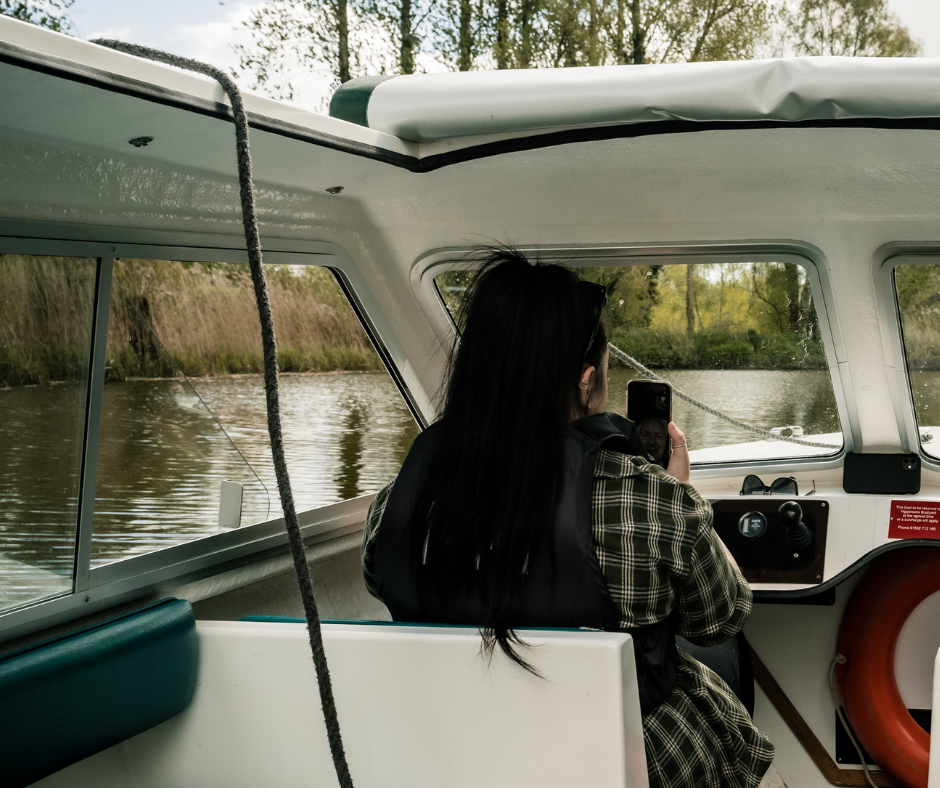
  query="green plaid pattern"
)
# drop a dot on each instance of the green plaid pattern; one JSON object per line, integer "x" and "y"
{"x": 659, "y": 554}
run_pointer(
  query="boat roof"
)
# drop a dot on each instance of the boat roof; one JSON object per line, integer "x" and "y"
{"x": 423, "y": 121}
{"x": 431, "y": 107}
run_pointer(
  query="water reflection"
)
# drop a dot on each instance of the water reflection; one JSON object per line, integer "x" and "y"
{"x": 761, "y": 398}
{"x": 40, "y": 456}
{"x": 350, "y": 452}
{"x": 161, "y": 459}
{"x": 345, "y": 435}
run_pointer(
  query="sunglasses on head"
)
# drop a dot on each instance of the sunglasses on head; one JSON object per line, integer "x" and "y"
{"x": 785, "y": 485}
{"x": 598, "y": 295}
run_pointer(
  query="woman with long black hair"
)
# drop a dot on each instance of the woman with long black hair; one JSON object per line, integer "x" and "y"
{"x": 526, "y": 504}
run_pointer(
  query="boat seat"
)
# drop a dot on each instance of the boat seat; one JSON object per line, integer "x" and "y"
{"x": 419, "y": 707}
{"x": 65, "y": 699}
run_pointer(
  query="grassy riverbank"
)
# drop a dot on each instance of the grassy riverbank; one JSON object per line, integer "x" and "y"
{"x": 199, "y": 318}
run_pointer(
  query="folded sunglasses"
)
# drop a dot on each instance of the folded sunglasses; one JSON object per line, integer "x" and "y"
{"x": 785, "y": 485}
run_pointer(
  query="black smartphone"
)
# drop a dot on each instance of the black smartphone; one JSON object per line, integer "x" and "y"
{"x": 881, "y": 474}
{"x": 649, "y": 407}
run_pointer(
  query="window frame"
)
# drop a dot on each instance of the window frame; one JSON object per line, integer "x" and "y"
{"x": 886, "y": 260}
{"x": 807, "y": 256}
{"x": 99, "y": 588}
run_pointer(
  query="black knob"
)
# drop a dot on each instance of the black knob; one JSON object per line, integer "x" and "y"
{"x": 791, "y": 515}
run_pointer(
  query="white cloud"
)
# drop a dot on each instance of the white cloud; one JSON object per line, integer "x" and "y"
{"x": 213, "y": 42}
{"x": 117, "y": 33}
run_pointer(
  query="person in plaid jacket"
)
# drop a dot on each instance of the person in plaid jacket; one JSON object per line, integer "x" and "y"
{"x": 650, "y": 530}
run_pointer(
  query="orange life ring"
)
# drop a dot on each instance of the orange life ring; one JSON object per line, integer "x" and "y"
{"x": 895, "y": 585}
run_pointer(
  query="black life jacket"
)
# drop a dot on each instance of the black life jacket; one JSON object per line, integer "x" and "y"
{"x": 564, "y": 585}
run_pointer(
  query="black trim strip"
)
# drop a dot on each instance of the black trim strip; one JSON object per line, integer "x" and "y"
{"x": 845, "y": 574}
{"x": 49, "y": 64}
{"x": 626, "y": 131}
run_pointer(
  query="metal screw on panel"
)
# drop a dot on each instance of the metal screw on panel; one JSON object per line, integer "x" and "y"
{"x": 141, "y": 142}
{"x": 335, "y": 189}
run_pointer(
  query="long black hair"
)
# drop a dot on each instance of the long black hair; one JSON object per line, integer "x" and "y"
{"x": 491, "y": 496}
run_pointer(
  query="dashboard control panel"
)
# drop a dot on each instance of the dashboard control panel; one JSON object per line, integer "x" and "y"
{"x": 775, "y": 539}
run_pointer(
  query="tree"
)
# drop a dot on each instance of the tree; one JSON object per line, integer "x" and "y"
{"x": 402, "y": 22}
{"x": 675, "y": 31}
{"x": 51, "y": 13}
{"x": 557, "y": 33}
{"x": 854, "y": 28}
{"x": 293, "y": 38}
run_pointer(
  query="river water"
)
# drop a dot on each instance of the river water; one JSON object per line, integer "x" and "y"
{"x": 166, "y": 446}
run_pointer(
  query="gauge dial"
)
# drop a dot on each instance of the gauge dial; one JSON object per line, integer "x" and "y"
{"x": 752, "y": 525}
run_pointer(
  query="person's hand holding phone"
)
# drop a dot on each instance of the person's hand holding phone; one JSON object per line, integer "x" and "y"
{"x": 678, "y": 466}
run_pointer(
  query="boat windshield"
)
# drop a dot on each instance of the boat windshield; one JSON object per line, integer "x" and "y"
{"x": 743, "y": 338}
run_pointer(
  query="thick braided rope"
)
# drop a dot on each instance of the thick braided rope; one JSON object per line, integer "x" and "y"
{"x": 269, "y": 345}
{"x": 629, "y": 360}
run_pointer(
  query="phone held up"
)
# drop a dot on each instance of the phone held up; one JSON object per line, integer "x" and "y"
{"x": 649, "y": 407}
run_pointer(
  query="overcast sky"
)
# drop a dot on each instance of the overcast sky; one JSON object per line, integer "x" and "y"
{"x": 206, "y": 29}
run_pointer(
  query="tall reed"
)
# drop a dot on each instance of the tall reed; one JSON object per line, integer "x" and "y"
{"x": 203, "y": 314}
{"x": 45, "y": 318}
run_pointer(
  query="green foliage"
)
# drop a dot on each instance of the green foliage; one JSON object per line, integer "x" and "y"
{"x": 746, "y": 315}
{"x": 918, "y": 291}
{"x": 50, "y": 13}
{"x": 676, "y": 349}
{"x": 853, "y": 28}
{"x": 630, "y": 292}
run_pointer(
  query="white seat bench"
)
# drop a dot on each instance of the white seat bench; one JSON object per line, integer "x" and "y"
{"x": 418, "y": 707}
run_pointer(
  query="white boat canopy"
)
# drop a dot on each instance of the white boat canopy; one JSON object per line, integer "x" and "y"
{"x": 431, "y": 107}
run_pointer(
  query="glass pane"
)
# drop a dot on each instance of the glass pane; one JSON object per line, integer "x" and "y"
{"x": 742, "y": 338}
{"x": 46, "y": 318}
{"x": 184, "y": 404}
{"x": 163, "y": 455}
{"x": 918, "y": 293}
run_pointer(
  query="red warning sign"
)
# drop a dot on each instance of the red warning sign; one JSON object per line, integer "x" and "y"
{"x": 914, "y": 520}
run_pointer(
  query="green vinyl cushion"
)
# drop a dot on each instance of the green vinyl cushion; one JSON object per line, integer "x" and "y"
{"x": 65, "y": 699}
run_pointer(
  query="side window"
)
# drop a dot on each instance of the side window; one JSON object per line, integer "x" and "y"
{"x": 742, "y": 338}
{"x": 184, "y": 406}
{"x": 46, "y": 320}
{"x": 918, "y": 295}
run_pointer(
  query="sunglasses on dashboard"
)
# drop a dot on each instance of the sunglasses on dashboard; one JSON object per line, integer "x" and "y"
{"x": 785, "y": 485}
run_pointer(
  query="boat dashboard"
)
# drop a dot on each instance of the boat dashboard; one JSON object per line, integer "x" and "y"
{"x": 799, "y": 547}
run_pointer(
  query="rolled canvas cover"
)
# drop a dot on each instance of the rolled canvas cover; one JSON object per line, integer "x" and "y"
{"x": 427, "y": 107}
